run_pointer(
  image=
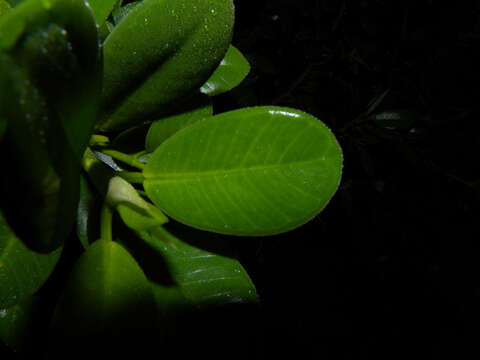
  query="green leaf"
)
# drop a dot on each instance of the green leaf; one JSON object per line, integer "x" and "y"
{"x": 22, "y": 271}
{"x": 121, "y": 11}
{"x": 14, "y": 3}
{"x": 205, "y": 277}
{"x": 107, "y": 301}
{"x": 162, "y": 129}
{"x": 102, "y": 9}
{"x": 4, "y": 7}
{"x": 54, "y": 46}
{"x": 231, "y": 71}
{"x": 22, "y": 326}
{"x": 50, "y": 80}
{"x": 255, "y": 171}
{"x": 162, "y": 51}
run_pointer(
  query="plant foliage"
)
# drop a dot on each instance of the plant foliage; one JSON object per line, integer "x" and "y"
{"x": 76, "y": 80}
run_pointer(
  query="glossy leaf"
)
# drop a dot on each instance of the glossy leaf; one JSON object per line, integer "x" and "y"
{"x": 162, "y": 129}
{"x": 22, "y": 271}
{"x": 254, "y": 171}
{"x": 102, "y": 9}
{"x": 162, "y": 51}
{"x": 231, "y": 71}
{"x": 49, "y": 72}
{"x": 204, "y": 278}
{"x": 107, "y": 299}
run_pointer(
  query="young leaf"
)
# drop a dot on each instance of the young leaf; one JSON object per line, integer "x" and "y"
{"x": 231, "y": 71}
{"x": 106, "y": 302}
{"x": 137, "y": 213}
{"x": 162, "y": 129}
{"x": 22, "y": 271}
{"x": 254, "y": 171}
{"x": 162, "y": 51}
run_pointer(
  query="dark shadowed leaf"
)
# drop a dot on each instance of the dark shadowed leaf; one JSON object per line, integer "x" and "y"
{"x": 22, "y": 271}
{"x": 23, "y": 326}
{"x": 162, "y": 129}
{"x": 107, "y": 301}
{"x": 50, "y": 80}
{"x": 201, "y": 269}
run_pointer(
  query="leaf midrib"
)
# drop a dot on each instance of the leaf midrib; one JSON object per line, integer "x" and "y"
{"x": 232, "y": 171}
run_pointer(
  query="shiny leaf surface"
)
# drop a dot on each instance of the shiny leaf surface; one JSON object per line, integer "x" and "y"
{"x": 254, "y": 171}
{"x": 162, "y": 51}
{"x": 231, "y": 71}
{"x": 22, "y": 271}
{"x": 204, "y": 277}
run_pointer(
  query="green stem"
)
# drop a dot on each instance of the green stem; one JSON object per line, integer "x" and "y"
{"x": 132, "y": 176}
{"x": 106, "y": 223}
{"x": 125, "y": 158}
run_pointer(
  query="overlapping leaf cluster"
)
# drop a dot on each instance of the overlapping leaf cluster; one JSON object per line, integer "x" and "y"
{"x": 77, "y": 88}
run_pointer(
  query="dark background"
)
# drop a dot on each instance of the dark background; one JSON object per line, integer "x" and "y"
{"x": 390, "y": 269}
